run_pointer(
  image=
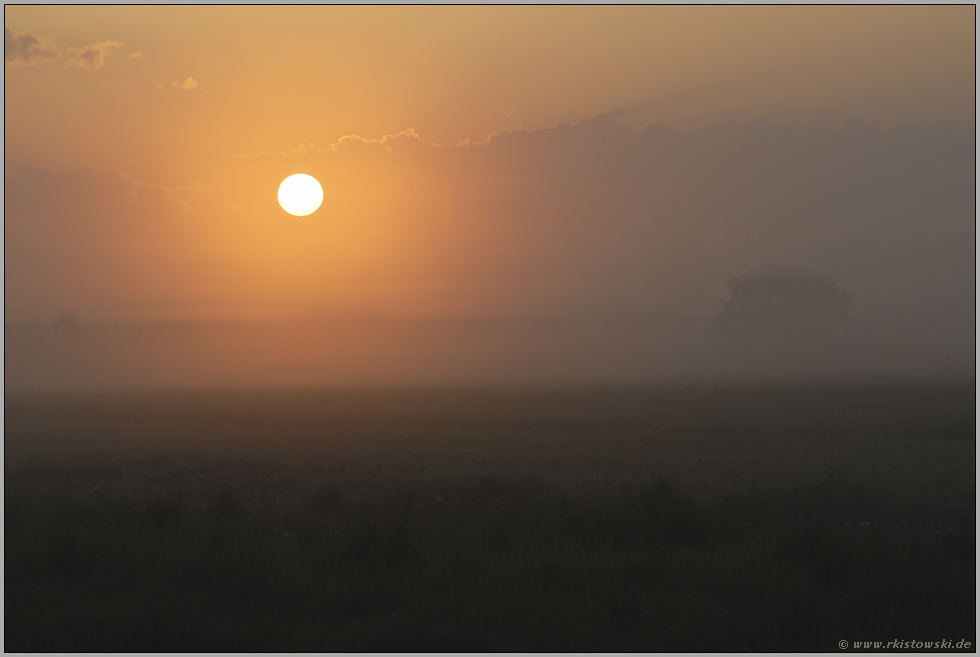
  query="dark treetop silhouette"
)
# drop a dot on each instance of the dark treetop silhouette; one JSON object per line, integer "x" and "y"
{"x": 781, "y": 309}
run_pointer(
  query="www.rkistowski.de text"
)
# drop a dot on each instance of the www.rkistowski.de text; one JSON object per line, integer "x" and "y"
{"x": 943, "y": 644}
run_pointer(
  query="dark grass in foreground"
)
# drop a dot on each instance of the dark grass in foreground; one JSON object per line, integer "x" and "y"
{"x": 579, "y": 520}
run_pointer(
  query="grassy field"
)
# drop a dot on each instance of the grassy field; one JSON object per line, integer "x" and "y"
{"x": 616, "y": 519}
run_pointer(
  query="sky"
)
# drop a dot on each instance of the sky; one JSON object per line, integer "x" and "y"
{"x": 483, "y": 162}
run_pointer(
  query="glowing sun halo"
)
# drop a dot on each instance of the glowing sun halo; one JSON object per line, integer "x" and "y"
{"x": 300, "y": 194}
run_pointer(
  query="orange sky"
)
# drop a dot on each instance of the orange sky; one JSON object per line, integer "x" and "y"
{"x": 144, "y": 147}
{"x": 272, "y": 78}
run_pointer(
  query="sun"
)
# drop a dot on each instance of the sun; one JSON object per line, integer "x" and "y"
{"x": 300, "y": 195}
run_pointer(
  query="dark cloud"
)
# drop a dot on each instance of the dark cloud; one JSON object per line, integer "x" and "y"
{"x": 658, "y": 218}
{"x": 27, "y": 48}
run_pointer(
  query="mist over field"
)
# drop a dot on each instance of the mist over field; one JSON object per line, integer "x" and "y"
{"x": 579, "y": 253}
{"x": 466, "y": 352}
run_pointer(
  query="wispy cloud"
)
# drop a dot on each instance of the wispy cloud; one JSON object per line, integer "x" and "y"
{"x": 27, "y": 49}
{"x": 93, "y": 56}
{"x": 187, "y": 85}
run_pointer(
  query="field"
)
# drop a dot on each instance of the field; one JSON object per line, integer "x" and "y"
{"x": 751, "y": 518}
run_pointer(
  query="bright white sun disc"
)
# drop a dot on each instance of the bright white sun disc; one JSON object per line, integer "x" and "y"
{"x": 300, "y": 194}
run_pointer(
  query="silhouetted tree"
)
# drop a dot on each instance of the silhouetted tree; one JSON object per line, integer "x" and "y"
{"x": 782, "y": 308}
